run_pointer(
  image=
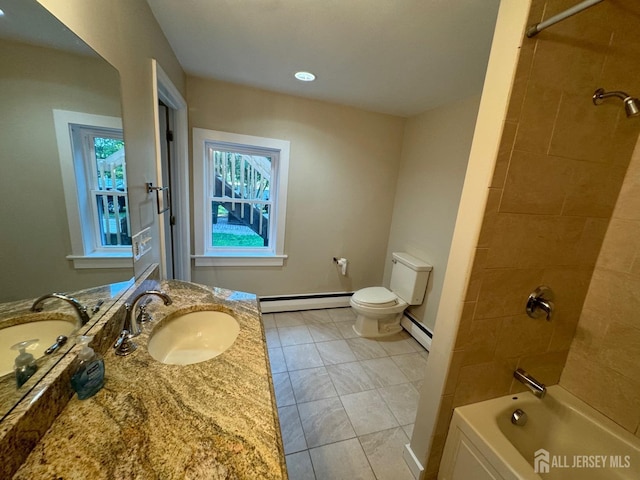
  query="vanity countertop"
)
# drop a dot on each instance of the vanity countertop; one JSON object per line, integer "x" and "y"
{"x": 215, "y": 420}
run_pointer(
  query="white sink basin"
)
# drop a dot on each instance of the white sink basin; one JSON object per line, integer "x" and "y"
{"x": 193, "y": 337}
{"x": 46, "y": 331}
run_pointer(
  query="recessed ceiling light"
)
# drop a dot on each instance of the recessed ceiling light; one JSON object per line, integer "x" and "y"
{"x": 305, "y": 76}
{"x": 1, "y": 13}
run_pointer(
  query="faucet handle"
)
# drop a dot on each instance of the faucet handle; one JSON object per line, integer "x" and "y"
{"x": 124, "y": 345}
{"x": 540, "y": 303}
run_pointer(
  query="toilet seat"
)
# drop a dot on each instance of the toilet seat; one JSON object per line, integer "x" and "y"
{"x": 377, "y": 297}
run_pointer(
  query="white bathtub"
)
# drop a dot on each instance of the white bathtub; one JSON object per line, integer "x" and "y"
{"x": 580, "y": 443}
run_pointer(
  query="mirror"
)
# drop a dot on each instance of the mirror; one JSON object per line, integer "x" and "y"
{"x": 44, "y": 69}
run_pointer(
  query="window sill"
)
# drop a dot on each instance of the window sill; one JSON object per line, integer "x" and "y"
{"x": 239, "y": 261}
{"x": 119, "y": 260}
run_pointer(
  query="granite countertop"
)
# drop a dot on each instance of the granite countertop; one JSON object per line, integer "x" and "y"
{"x": 215, "y": 420}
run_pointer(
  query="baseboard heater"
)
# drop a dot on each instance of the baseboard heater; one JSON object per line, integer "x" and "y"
{"x": 315, "y": 301}
{"x": 305, "y": 301}
{"x": 417, "y": 330}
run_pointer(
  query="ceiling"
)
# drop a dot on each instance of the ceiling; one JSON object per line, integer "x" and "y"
{"x": 400, "y": 57}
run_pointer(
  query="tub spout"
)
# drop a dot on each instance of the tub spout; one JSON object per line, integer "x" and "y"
{"x": 537, "y": 388}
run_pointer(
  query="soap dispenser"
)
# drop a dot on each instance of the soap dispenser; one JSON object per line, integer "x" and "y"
{"x": 88, "y": 378}
{"x": 25, "y": 363}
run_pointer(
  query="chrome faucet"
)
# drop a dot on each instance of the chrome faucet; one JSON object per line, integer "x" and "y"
{"x": 537, "y": 388}
{"x": 80, "y": 309}
{"x": 131, "y": 323}
{"x": 124, "y": 345}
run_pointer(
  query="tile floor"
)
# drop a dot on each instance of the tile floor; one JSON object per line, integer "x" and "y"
{"x": 346, "y": 404}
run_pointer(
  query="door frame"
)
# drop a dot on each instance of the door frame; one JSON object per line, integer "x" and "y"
{"x": 165, "y": 90}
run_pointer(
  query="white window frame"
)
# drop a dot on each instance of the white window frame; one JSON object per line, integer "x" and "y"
{"x": 272, "y": 256}
{"x": 84, "y": 252}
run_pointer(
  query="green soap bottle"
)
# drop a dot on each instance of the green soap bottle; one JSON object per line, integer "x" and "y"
{"x": 88, "y": 378}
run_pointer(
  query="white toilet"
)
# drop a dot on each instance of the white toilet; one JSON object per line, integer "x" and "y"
{"x": 380, "y": 310}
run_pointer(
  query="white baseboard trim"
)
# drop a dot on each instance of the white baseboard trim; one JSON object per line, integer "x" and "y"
{"x": 315, "y": 301}
{"x": 412, "y": 462}
{"x": 421, "y": 337}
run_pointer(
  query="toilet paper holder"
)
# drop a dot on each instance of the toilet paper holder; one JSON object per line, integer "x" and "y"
{"x": 342, "y": 263}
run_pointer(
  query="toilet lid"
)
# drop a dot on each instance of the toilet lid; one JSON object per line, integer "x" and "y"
{"x": 375, "y": 297}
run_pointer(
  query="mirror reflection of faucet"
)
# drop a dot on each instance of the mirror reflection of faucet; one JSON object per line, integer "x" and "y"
{"x": 80, "y": 309}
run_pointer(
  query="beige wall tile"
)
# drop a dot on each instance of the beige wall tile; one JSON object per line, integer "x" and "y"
{"x": 593, "y": 189}
{"x": 464, "y": 328}
{"x": 591, "y": 241}
{"x": 535, "y": 240}
{"x": 522, "y": 335}
{"x": 481, "y": 342}
{"x": 537, "y": 118}
{"x": 504, "y": 292}
{"x": 504, "y": 154}
{"x": 621, "y": 243}
{"x": 490, "y": 217}
{"x": 545, "y": 367}
{"x": 483, "y": 381}
{"x": 628, "y": 206}
{"x": 477, "y": 271}
{"x": 615, "y": 296}
{"x": 614, "y": 395}
{"x": 584, "y": 131}
{"x": 620, "y": 350}
{"x": 536, "y": 183}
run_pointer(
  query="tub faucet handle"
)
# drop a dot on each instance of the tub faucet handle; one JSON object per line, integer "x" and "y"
{"x": 540, "y": 303}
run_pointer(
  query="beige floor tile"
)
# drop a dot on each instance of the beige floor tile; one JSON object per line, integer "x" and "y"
{"x": 408, "y": 430}
{"x": 283, "y": 389}
{"x": 325, "y": 421}
{"x": 336, "y": 351}
{"x": 341, "y": 461}
{"x": 316, "y": 317}
{"x": 268, "y": 320}
{"x": 323, "y": 332}
{"x": 299, "y": 466}
{"x": 364, "y": 348}
{"x": 276, "y": 360}
{"x": 288, "y": 319}
{"x": 368, "y": 412}
{"x": 294, "y": 335}
{"x": 312, "y": 384}
{"x": 298, "y": 357}
{"x": 291, "y": 428}
{"x": 350, "y": 378}
{"x": 342, "y": 314}
{"x": 383, "y": 372}
{"x": 402, "y": 401}
{"x": 399, "y": 344}
{"x": 346, "y": 329}
{"x": 384, "y": 452}
{"x": 413, "y": 365}
{"x": 273, "y": 340}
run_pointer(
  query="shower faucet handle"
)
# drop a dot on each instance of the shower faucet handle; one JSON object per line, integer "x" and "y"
{"x": 540, "y": 303}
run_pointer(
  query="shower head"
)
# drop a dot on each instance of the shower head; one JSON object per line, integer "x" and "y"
{"x": 631, "y": 104}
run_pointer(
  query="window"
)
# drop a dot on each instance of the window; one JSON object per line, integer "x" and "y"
{"x": 91, "y": 147}
{"x": 240, "y": 191}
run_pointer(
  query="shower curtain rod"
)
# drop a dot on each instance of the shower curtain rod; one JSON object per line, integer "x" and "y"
{"x": 538, "y": 27}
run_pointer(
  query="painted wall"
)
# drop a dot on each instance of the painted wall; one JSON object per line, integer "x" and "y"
{"x": 342, "y": 179}
{"x": 556, "y": 180}
{"x": 35, "y": 232}
{"x": 434, "y": 159}
{"x": 126, "y": 34}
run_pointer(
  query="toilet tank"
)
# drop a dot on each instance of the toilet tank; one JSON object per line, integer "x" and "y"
{"x": 409, "y": 277}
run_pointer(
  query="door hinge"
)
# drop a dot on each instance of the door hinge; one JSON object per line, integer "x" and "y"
{"x": 169, "y": 136}
{"x": 172, "y": 220}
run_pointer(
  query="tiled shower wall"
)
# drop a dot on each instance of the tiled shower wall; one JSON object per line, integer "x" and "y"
{"x": 557, "y": 177}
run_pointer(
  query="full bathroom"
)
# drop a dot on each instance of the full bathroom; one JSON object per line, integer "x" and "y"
{"x": 525, "y": 180}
